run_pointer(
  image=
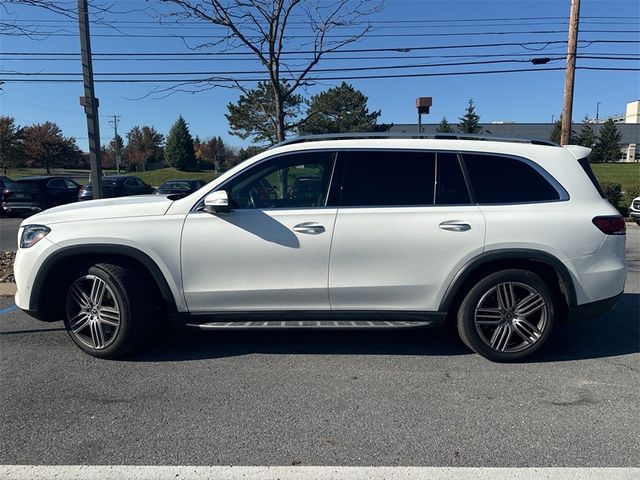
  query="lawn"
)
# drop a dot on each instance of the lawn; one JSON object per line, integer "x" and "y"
{"x": 625, "y": 174}
{"x": 154, "y": 177}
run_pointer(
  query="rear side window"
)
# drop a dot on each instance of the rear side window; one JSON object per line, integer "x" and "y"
{"x": 497, "y": 179}
{"x": 451, "y": 189}
{"x": 388, "y": 178}
{"x": 584, "y": 163}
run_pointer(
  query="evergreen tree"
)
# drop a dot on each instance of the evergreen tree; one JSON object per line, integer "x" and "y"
{"x": 607, "y": 147}
{"x": 556, "y": 133}
{"x": 470, "y": 121}
{"x": 179, "y": 149}
{"x": 444, "y": 126}
{"x": 586, "y": 137}
{"x": 255, "y": 114}
{"x": 11, "y": 144}
{"x": 341, "y": 109}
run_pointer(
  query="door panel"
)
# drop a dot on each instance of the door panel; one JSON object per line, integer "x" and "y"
{"x": 399, "y": 258}
{"x": 253, "y": 259}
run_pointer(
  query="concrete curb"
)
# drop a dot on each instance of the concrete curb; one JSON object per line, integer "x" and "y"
{"x": 7, "y": 289}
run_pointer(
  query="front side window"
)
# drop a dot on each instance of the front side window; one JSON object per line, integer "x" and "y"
{"x": 388, "y": 178}
{"x": 299, "y": 180}
{"x": 496, "y": 179}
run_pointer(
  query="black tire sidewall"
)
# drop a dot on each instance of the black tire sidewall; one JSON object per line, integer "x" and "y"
{"x": 121, "y": 344}
{"x": 466, "y": 313}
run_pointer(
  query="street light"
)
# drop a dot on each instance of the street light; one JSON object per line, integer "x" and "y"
{"x": 597, "y": 111}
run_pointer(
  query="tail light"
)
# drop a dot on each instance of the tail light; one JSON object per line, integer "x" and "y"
{"x": 610, "y": 224}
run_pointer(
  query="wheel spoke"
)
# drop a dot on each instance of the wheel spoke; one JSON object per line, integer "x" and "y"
{"x": 97, "y": 291}
{"x": 79, "y": 296}
{"x": 109, "y": 316}
{"x": 506, "y": 295}
{"x": 501, "y": 337}
{"x": 522, "y": 333}
{"x": 528, "y": 328}
{"x": 488, "y": 316}
{"x": 97, "y": 335}
{"x": 530, "y": 305}
{"x": 79, "y": 322}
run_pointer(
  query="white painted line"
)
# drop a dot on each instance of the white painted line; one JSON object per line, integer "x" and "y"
{"x": 120, "y": 472}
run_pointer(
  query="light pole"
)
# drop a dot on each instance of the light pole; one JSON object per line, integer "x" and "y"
{"x": 597, "y": 111}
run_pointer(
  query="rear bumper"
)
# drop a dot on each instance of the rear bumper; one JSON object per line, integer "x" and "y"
{"x": 593, "y": 309}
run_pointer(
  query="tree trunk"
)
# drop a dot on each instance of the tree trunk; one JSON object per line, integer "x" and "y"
{"x": 279, "y": 107}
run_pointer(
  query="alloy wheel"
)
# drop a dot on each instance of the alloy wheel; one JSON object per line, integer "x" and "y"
{"x": 93, "y": 313}
{"x": 511, "y": 317}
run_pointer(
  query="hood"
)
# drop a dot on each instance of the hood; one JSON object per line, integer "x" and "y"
{"x": 121, "y": 207}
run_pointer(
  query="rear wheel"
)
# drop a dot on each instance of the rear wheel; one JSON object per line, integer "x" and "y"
{"x": 507, "y": 316}
{"x": 108, "y": 311}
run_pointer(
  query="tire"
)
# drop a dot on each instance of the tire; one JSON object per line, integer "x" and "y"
{"x": 108, "y": 310}
{"x": 507, "y": 316}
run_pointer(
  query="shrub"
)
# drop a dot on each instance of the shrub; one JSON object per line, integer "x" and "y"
{"x": 630, "y": 193}
{"x": 612, "y": 192}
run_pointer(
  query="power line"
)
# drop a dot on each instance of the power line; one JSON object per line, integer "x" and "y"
{"x": 313, "y": 79}
{"x": 543, "y": 44}
{"x": 329, "y": 36}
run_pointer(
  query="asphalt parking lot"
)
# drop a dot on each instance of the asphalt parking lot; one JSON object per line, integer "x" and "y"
{"x": 407, "y": 397}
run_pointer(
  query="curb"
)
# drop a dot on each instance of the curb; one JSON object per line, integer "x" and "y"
{"x": 7, "y": 289}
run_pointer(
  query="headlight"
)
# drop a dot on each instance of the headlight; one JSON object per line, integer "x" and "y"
{"x": 32, "y": 234}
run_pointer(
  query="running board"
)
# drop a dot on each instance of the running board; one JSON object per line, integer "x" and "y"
{"x": 311, "y": 325}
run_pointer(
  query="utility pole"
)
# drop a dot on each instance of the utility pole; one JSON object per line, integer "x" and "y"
{"x": 567, "y": 107}
{"x": 598, "y": 111}
{"x": 114, "y": 122}
{"x": 89, "y": 100}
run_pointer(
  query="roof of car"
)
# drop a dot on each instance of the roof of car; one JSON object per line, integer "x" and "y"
{"x": 39, "y": 178}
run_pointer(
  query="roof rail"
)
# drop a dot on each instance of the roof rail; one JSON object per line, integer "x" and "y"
{"x": 438, "y": 136}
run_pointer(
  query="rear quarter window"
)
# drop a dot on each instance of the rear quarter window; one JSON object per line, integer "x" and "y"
{"x": 498, "y": 180}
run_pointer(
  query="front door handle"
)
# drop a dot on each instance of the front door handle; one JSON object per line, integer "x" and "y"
{"x": 455, "y": 226}
{"x": 311, "y": 228}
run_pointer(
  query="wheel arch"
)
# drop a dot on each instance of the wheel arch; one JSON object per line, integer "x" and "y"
{"x": 546, "y": 265}
{"x": 79, "y": 255}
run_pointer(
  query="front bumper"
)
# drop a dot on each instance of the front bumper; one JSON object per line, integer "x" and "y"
{"x": 593, "y": 309}
{"x": 634, "y": 215}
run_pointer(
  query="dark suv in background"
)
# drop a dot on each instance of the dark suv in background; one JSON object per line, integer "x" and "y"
{"x": 34, "y": 194}
{"x": 116, "y": 186}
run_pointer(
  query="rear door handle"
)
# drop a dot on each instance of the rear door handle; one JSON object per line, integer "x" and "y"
{"x": 455, "y": 226}
{"x": 311, "y": 228}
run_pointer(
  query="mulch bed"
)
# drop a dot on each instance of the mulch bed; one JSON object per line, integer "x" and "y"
{"x": 6, "y": 267}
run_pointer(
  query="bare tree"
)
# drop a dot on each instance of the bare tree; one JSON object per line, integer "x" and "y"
{"x": 263, "y": 27}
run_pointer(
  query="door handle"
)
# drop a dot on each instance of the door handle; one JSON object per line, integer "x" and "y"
{"x": 311, "y": 228}
{"x": 455, "y": 226}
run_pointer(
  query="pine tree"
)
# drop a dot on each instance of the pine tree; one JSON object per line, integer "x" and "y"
{"x": 607, "y": 147}
{"x": 179, "y": 149}
{"x": 556, "y": 133}
{"x": 586, "y": 136}
{"x": 341, "y": 109}
{"x": 444, "y": 126}
{"x": 470, "y": 121}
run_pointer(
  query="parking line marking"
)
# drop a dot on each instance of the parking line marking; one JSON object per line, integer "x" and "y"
{"x": 8, "y": 309}
{"x": 132, "y": 472}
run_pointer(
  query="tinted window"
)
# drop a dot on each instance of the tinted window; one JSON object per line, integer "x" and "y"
{"x": 388, "y": 178}
{"x": 496, "y": 179}
{"x": 71, "y": 185}
{"x": 451, "y": 188}
{"x": 57, "y": 183}
{"x": 292, "y": 181}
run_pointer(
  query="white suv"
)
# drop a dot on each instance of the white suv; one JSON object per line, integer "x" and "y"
{"x": 634, "y": 210}
{"x": 507, "y": 239}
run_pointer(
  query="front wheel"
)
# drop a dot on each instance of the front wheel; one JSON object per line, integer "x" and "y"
{"x": 507, "y": 316}
{"x": 108, "y": 314}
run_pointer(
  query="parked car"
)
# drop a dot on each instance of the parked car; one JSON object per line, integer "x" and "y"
{"x": 179, "y": 187}
{"x": 34, "y": 194}
{"x": 506, "y": 239}
{"x": 4, "y": 182}
{"x": 116, "y": 186}
{"x": 634, "y": 210}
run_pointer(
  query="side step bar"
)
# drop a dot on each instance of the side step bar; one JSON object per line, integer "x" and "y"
{"x": 311, "y": 325}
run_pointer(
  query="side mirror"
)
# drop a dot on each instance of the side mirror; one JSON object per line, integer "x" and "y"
{"x": 217, "y": 202}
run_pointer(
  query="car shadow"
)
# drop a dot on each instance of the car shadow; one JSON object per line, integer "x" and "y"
{"x": 611, "y": 335}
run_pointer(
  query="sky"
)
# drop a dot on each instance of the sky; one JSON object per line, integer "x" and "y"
{"x": 415, "y": 31}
